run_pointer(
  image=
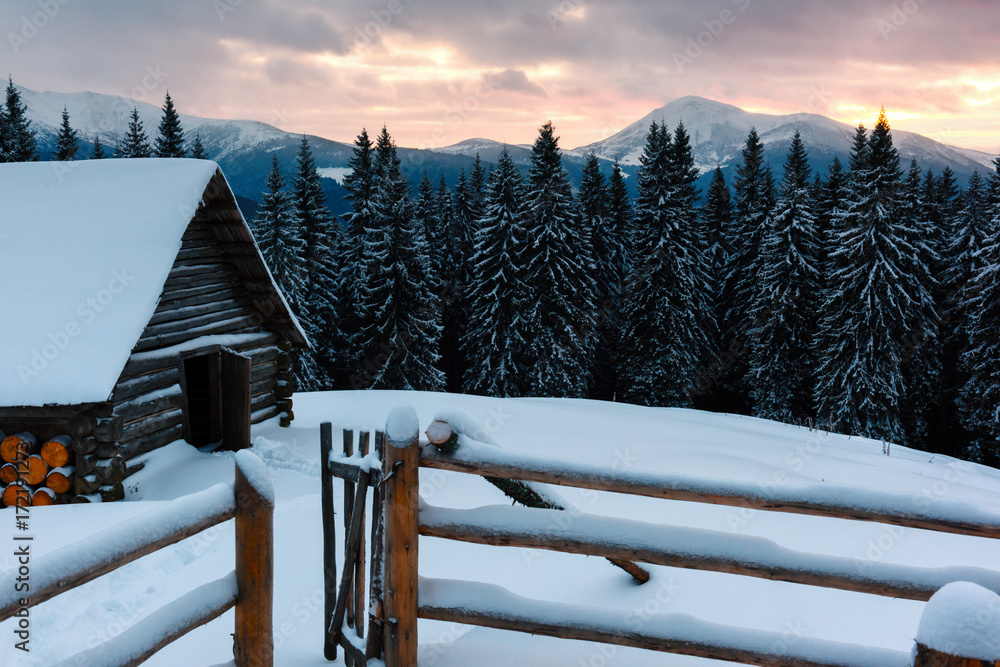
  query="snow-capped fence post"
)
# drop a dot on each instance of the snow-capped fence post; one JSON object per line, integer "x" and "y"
{"x": 253, "y": 641}
{"x": 400, "y": 474}
{"x": 960, "y": 627}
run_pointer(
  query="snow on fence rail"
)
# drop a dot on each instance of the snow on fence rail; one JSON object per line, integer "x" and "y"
{"x": 249, "y": 587}
{"x": 397, "y": 523}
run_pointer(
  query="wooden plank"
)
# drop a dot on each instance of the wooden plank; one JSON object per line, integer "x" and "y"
{"x": 329, "y": 541}
{"x": 401, "y": 482}
{"x": 127, "y": 390}
{"x": 353, "y": 535}
{"x": 185, "y": 309}
{"x": 669, "y": 633}
{"x": 235, "y": 400}
{"x": 47, "y": 582}
{"x": 675, "y": 546}
{"x": 159, "y": 422}
{"x": 148, "y": 443}
{"x": 375, "y": 606}
{"x": 257, "y": 416}
{"x": 253, "y": 640}
{"x": 141, "y": 641}
{"x": 265, "y": 370}
{"x": 234, "y": 325}
{"x": 142, "y": 407}
{"x": 188, "y": 323}
{"x": 512, "y": 465}
{"x": 136, "y": 367}
{"x": 348, "y": 595}
{"x": 360, "y": 616}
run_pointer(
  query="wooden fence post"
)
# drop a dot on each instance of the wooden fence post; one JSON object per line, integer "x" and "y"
{"x": 927, "y": 657}
{"x": 400, "y": 474}
{"x": 329, "y": 540}
{"x": 253, "y": 642}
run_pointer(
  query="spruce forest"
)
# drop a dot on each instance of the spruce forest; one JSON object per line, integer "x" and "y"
{"x": 864, "y": 300}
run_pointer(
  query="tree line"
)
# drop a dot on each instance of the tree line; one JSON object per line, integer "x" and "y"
{"x": 18, "y": 142}
{"x": 863, "y": 300}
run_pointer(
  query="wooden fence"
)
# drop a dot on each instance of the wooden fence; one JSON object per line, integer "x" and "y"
{"x": 397, "y": 524}
{"x": 249, "y": 587}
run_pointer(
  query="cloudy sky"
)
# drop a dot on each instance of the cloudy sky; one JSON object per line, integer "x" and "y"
{"x": 439, "y": 71}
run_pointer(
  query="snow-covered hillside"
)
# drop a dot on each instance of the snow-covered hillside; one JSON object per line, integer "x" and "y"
{"x": 625, "y": 438}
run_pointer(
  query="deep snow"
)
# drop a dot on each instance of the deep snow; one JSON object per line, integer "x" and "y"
{"x": 625, "y": 438}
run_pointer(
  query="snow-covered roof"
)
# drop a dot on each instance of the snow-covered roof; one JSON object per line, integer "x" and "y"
{"x": 85, "y": 250}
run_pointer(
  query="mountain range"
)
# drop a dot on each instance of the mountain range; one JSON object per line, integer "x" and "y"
{"x": 718, "y": 131}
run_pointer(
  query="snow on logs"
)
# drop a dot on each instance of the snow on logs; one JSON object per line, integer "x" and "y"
{"x": 960, "y": 627}
{"x": 58, "y": 470}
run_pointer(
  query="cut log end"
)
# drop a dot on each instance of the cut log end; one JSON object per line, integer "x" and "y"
{"x": 43, "y": 496}
{"x": 58, "y": 452}
{"x": 60, "y": 480}
{"x": 34, "y": 470}
{"x": 441, "y": 435}
{"x": 16, "y": 495}
{"x": 15, "y": 448}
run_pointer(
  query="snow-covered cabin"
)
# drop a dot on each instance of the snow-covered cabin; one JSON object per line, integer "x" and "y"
{"x": 137, "y": 307}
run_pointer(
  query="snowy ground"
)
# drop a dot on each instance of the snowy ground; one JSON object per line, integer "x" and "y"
{"x": 624, "y": 437}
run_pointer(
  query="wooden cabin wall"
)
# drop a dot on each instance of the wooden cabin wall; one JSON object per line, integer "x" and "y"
{"x": 203, "y": 296}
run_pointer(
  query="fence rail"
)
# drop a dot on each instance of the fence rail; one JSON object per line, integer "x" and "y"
{"x": 248, "y": 588}
{"x": 406, "y": 598}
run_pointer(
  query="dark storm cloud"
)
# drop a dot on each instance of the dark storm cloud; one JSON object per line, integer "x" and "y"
{"x": 580, "y": 58}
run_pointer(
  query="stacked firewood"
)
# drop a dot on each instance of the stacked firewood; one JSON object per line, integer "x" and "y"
{"x": 286, "y": 384}
{"x": 61, "y": 469}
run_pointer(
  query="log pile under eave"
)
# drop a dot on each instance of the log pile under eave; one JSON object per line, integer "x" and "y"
{"x": 59, "y": 470}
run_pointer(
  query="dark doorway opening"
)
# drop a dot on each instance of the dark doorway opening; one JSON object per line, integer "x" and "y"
{"x": 201, "y": 377}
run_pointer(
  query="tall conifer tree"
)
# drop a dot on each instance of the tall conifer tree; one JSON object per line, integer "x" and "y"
{"x": 781, "y": 355}
{"x": 136, "y": 142}
{"x": 170, "y": 143}
{"x": 67, "y": 143}
{"x": 495, "y": 334}
{"x": 558, "y": 269}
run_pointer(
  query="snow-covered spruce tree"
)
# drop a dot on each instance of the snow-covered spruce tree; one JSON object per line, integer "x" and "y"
{"x": 477, "y": 189}
{"x": 17, "y": 139}
{"x": 753, "y": 199}
{"x": 322, "y": 247}
{"x": 426, "y": 216}
{"x": 781, "y": 354}
{"x": 198, "y": 149}
{"x": 399, "y": 314}
{"x": 609, "y": 258}
{"x": 829, "y": 203}
{"x": 66, "y": 143}
{"x": 170, "y": 142}
{"x": 557, "y": 268}
{"x": 979, "y": 397}
{"x": 444, "y": 205}
{"x": 455, "y": 274}
{"x": 717, "y": 222}
{"x": 98, "y": 152}
{"x": 360, "y": 186}
{"x": 669, "y": 322}
{"x": 495, "y": 333}
{"x": 277, "y": 230}
{"x": 921, "y": 346}
{"x": 136, "y": 142}
{"x": 859, "y": 384}
{"x": 616, "y": 267}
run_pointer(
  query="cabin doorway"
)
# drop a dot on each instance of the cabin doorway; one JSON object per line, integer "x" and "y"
{"x": 217, "y": 410}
